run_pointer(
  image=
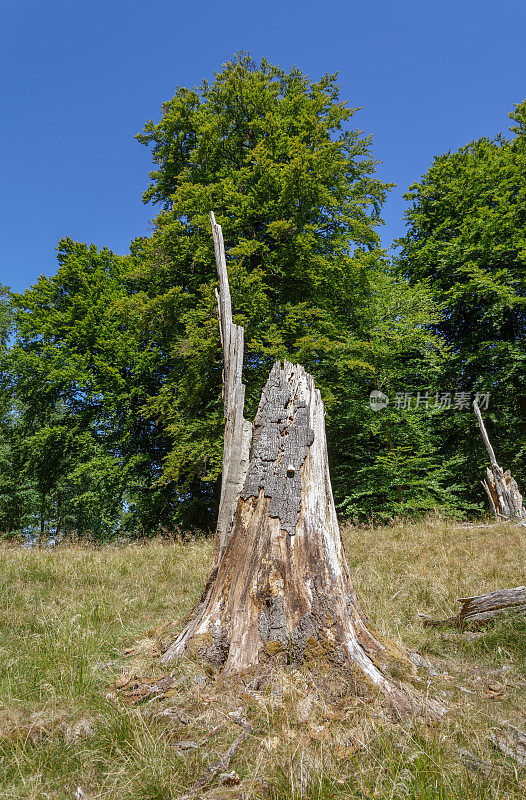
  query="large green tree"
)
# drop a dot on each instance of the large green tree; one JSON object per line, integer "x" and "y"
{"x": 294, "y": 187}
{"x": 116, "y": 367}
{"x": 81, "y": 374}
{"x": 467, "y": 239}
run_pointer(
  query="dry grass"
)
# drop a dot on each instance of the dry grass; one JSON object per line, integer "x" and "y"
{"x": 69, "y": 615}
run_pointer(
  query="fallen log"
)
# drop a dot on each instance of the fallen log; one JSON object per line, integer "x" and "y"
{"x": 483, "y": 608}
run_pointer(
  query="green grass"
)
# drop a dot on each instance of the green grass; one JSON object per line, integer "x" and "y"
{"x": 69, "y": 615}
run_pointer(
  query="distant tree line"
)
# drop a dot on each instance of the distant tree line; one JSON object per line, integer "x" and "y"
{"x": 110, "y": 396}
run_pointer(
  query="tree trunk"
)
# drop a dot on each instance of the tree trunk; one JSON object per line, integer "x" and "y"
{"x": 501, "y": 487}
{"x": 280, "y": 590}
{"x": 238, "y": 431}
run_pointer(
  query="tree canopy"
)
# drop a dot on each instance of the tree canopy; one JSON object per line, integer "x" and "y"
{"x": 111, "y": 378}
{"x": 295, "y": 190}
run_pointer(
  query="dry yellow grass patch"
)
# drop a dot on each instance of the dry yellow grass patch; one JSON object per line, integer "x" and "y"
{"x": 75, "y": 619}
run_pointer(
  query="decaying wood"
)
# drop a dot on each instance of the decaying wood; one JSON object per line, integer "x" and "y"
{"x": 500, "y": 486}
{"x": 483, "y": 608}
{"x": 238, "y": 431}
{"x": 282, "y": 436}
{"x": 280, "y": 590}
{"x": 512, "y": 742}
{"x": 476, "y": 527}
{"x": 282, "y": 582}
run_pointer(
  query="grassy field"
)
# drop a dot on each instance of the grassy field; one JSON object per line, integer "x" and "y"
{"x": 76, "y": 618}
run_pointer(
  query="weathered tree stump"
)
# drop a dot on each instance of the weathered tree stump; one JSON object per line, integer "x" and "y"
{"x": 280, "y": 590}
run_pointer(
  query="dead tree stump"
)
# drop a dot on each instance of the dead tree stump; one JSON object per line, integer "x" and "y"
{"x": 501, "y": 487}
{"x": 280, "y": 588}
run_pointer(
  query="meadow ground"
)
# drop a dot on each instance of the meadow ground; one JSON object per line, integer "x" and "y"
{"x": 76, "y": 619}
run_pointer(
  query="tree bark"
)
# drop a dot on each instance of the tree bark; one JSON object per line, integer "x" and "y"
{"x": 280, "y": 590}
{"x": 500, "y": 486}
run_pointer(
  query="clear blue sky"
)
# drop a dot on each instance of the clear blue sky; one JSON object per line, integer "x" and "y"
{"x": 79, "y": 79}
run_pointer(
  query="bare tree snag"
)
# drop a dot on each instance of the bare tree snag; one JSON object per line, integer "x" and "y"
{"x": 280, "y": 590}
{"x": 483, "y": 608}
{"x": 500, "y": 486}
{"x": 238, "y": 431}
